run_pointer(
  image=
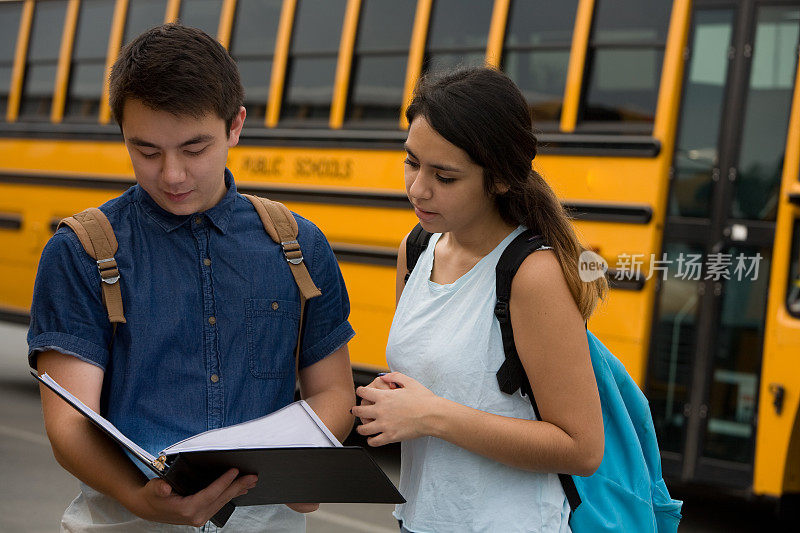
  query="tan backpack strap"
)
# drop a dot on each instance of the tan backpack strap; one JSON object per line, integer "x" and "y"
{"x": 282, "y": 227}
{"x": 98, "y": 239}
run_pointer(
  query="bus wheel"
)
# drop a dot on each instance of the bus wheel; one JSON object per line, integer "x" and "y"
{"x": 788, "y": 510}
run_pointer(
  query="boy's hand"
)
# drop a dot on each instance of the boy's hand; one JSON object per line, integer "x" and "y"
{"x": 303, "y": 507}
{"x": 157, "y": 501}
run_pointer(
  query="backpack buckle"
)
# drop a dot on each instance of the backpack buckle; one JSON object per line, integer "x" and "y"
{"x": 108, "y": 270}
{"x": 501, "y": 311}
{"x": 291, "y": 250}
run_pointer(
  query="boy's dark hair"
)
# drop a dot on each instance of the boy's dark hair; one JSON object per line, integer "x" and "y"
{"x": 177, "y": 69}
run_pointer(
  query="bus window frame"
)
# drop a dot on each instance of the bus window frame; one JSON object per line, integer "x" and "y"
{"x": 63, "y": 114}
{"x": 355, "y": 54}
{"x": 56, "y": 62}
{"x": 547, "y": 126}
{"x": 288, "y": 64}
{"x": 429, "y": 52}
{"x": 610, "y": 126}
{"x": 220, "y": 18}
{"x": 565, "y": 142}
{"x": 11, "y": 63}
{"x": 793, "y": 282}
{"x": 231, "y": 34}
{"x": 581, "y": 125}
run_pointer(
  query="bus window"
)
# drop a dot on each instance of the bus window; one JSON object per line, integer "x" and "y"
{"x": 252, "y": 45}
{"x": 143, "y": 15}
{"x": 379, "y": 62}
{"x": 696, "y": 148}
{"x": 89, "y": 60}
{"x": 793, "y": 292}
{"x": 623, "y": 63}
{"x": 9, "y": 28}
{"x": 311, "y": 66}
{"x": 536, "y": 53}
{"x": 457, "y": 33}
{"x": 203, "y": 14}
{"x": 737, "y": 357}
{"x": 674, "y": 337}
{"x": 42, "y": 60}
{"x": 766, "y": 116}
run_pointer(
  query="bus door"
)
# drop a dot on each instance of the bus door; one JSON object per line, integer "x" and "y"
{"x": 708, "y": 331}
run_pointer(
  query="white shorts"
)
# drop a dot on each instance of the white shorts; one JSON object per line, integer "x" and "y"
{"x": 93, "y": 512}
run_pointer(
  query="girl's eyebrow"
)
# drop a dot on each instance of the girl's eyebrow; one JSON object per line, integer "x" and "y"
{"x": 446, "y": 168}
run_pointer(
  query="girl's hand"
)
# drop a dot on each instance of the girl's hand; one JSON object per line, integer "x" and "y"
{"x": 395, "y": 414}
{"x": 377, "y": 383}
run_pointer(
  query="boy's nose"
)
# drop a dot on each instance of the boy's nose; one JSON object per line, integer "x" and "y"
{"x": 172, "y": 171}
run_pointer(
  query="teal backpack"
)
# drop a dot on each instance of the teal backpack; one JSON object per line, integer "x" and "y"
{"x": 627, "y": 492}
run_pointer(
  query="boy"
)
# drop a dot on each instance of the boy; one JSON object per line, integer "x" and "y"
{"x": 212, "y": 310}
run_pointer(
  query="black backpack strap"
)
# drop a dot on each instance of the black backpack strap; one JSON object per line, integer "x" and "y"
{"x": 511, "y": 375}
{"x": 416, "y": 243}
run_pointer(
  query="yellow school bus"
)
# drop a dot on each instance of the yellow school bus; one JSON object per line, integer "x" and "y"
{"x": 670, "y": 130}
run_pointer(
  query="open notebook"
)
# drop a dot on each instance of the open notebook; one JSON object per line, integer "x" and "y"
{"x": 297, "y": 459}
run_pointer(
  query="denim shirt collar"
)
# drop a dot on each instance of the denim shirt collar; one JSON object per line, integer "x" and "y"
{"x": 219, "y": 215}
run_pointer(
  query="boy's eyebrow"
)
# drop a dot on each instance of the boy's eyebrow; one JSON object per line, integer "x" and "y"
{"x": 199, "y": 139}
{"x": 141, "y": 142}
{"x": 194, "y": 140}
{"x": 434, "y": 165}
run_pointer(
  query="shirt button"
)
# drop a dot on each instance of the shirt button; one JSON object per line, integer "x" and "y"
{"x": 207, "y": 261}
{"x": 275, "y": 306}
{"x": 198, "y": 220}
{"x": 212, "y": 320}
{"x": 214, "y": 378}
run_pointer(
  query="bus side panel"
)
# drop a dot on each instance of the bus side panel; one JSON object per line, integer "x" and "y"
{"x": 356, "y": 196}
{"x": 778, "y": 434}
{"x": 777, "y": 458}
{"x": 39, "y": 209}
{"x": 624, "y": 320}
{"x": 371, "y": 291}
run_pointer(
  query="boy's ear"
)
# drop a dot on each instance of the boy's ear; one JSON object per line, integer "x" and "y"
{"x": 236, "y": 127}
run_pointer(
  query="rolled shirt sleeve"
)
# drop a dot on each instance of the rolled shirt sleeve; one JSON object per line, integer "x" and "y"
{"x": 326, "y": 322}
{"x": 67, "y": 312}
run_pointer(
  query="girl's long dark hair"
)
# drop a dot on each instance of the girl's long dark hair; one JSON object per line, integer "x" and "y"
{"x": 481, "y": 111}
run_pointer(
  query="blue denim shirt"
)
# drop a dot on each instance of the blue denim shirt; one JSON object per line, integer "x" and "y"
{"x": 212, "y": 316}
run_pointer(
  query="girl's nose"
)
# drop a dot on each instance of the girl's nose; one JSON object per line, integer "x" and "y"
{"x": 420, "y": 187}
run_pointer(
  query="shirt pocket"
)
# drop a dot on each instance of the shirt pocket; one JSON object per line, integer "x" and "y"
{"x": 271, "y": 326}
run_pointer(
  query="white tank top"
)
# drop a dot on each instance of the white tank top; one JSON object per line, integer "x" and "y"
{"x": 447, "y": 338}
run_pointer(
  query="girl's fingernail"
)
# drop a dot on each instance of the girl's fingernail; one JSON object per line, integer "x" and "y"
{"x": 381, "y": 374}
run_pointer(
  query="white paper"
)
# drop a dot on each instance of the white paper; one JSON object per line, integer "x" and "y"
{"x": 295, "y": 425}
{"x": 87, "y": 411}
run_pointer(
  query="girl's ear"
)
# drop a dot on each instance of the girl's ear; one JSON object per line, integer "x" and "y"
{"x": 499, "y": 188}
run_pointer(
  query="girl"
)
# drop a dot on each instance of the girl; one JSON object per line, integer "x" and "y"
{"x": 474, "y": 458}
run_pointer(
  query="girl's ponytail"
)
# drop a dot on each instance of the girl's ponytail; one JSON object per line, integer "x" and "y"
{"x": 534, "y": 204}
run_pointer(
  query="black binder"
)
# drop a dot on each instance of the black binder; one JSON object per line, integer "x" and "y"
{"x": 336, "y": 474}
